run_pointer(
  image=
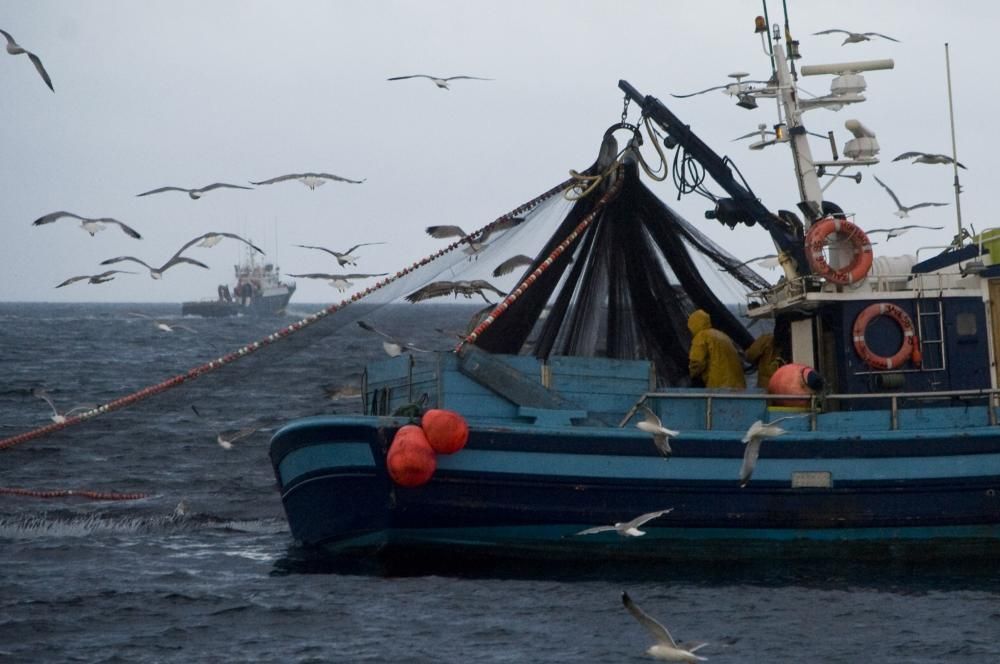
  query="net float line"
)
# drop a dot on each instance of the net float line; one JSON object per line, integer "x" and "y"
{"x": 191, "y": 374}
{"x": 64, "y": 493}
{"x": 544, "y": 265}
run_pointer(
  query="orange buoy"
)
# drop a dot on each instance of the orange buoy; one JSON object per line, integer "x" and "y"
{"x": 411, "y": 460}
{"x": 447, "y": 431}
{"x": 794, "y": 379}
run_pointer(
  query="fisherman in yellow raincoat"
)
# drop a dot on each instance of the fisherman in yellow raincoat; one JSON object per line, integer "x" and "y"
{"x": 763, "y": 353}
{"x": 714, "y": 358}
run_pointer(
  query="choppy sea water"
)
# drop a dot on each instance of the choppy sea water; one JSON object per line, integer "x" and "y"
{"x": 219, "y": 580}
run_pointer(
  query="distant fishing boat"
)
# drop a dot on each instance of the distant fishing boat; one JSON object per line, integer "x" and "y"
{"x": 258, "y": 290}
{"x": 897, "y": 455}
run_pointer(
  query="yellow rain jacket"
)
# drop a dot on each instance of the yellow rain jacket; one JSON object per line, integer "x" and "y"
{"x": 713, "y": 357}
{"x": 763, "y": 354}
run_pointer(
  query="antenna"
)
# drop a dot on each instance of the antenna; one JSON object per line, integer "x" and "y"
{"x": 954, "y": 149}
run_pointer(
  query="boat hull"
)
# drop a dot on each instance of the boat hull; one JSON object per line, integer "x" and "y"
{"x": 528, "y": 491}
{"x": 264, "y": 305}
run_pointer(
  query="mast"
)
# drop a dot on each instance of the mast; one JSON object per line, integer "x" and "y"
{"x": 954, "y": 149}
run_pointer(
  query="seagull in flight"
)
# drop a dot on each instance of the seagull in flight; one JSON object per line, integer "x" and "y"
{"x": 101, "y": 278}
{"x": 465, "y": 288}
{"x": 343, "y": 258}
{"x": 57, "y": 417}
{"x": 757, "y": 432}
{"x": 311, "y": 180}
{"x": 213, "y": 238}
{"x": 762, "y": 132}
{"x": 16, "y": 49}
{"x": 195, "y": 194}
{"x": 512, "y": 264}
{"x": 899, "y": 230}
{"x": 160, "y": 325}
{"x": 628, "y": 528}
{"x": 730, "y": 88}
{"x": 928, "y": 158}
{"x": 855, "y": 37}
{"x": 661, "y": 434}
{"x": 392, "y": 346}
{"x": 156, "y": 272}
{"x": 481, "y": 237}
{"x": 339, "y": 281}
{"x": 903, "y": 210}
{"x": 92, "y": 226}
{"x": 768, "y": 261}
{"x": 440, "y": 82}
{"x": 665, "y": 648}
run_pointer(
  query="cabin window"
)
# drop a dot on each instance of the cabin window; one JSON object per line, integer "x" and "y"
{"x": 965, "y": 326}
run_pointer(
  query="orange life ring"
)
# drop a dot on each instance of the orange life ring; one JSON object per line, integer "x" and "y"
{"x": 816, "y": 242}
{"x": 908, "y": 349}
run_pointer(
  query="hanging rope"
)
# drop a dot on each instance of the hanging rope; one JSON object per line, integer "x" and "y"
{"x": 146, "y": 392}
{"x": 558, "y": 251}
{"x": 64, "y": 493}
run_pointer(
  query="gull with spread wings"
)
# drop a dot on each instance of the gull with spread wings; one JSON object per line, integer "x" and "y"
{"x": 628, "y": 528}
{"x": 161, "y": 325}
{"x": 311, "y": 180}
{"x": 92, "y": 226}
{"x": 665, "y": 648}
{"x": 477, "y": 243}
{"x": 101, "y": 278}
{"x": 440, "y": 82}
{"x": 156, "y": 272}
{"x": 928, "y": 158}
{"x": 465, "y": 288}
{"x": 339, "y": 281}
{"x": 195, "y": 194}
{"x": 16, "y": 49}
{"x": 904, "y": 210}
{"x": 855, "y": 37}
{"x": 512, "y": 264}
{"x": 730, "y": 88}
{"x": 343, "y": 258}
{"x": 661, "y": 435}
{"x": 392, "y": 346}
{"x": 213, "y": 238}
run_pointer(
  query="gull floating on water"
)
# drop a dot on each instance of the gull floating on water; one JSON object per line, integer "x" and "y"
{"x": 665, "y": 648}
{"x": 855, "y": 37}
{"x": 928, "y": 158}
{"x": 92, "y": 226}
{"x": 101, "y": 278}
{"x": 661, "y": 434}
{"x": 162, "y": 326}
{"x": 466, "y": 288}
{"x": 194, "y": 193}
{"x": 57, "y": 417}
{"x": 311, "y": 180}
{"x": 156, "y": 272}
{"x": 903, "y": 210}
{"x": 339, "y": 281}
{"x": 16, "y": 49}
{"x": 440, "y": 82}
{"x": 628, "y": 528}
{"x": 392, "y": 346}
{"x": 512, "y": 264}
{"x": 343, "y": 258}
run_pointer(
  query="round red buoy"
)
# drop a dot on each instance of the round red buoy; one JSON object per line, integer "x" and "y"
{"x": 411, "y": 460}
{"x": 794, "y": 379}
{"x": 447, "y": 431}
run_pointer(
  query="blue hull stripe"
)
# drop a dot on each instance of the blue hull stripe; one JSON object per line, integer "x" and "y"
{"x": 324, "y": 456}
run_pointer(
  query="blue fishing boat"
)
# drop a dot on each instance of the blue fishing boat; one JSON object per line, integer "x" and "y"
{"x": 887, "y": 445}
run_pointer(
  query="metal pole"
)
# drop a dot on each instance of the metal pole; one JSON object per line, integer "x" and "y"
{"x": 954, "y": 149}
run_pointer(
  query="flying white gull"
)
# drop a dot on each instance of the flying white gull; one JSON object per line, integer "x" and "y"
{"x": 769, "y": 261}
{"x": 440, "y": 82}
{"x": 899, "y": 230}
{"x": 928, "y": 158}
{"x": 763, "y": 132}
{"x": 194, "y": 193}
{"x": 339, "y": 281}
{"x": 343, "y": 258}
{"x": 661, "y": 434}
{"x": 903, "y": 210}
{"x": 101, "y": 278}
{"x": 213, "y": 238}
{"x": 475, "y": 244}
{"x": 392, "y": 346}
{"x": 311, "y": 180}
{"x": 156, "y": 272}
{"x": 757, "y": 432}
{"x": 628, "y": 528}
{"x": 466, "y": 288}
{"x": 512, "y": 264}
{"x": 92, "y": 226}
{"x": 730, "y": 88}
{"x": 665, "y": 648}
{"x": 57, "y": 417}
{"x": 16, "y": 49}
{"x": 162, "y": 326}
{"x": 855, "y": 37}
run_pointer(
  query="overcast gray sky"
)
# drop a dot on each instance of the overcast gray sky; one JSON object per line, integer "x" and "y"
{"x": 189, "y": 92}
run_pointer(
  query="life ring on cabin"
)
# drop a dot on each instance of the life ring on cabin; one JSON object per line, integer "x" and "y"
{"x": 908, "y": 349}
{"x": 857, "y": 269}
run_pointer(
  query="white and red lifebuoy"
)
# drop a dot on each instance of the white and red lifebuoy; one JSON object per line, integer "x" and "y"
{"x": 908, "y": 348}
{"x": 861, "y": 262}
